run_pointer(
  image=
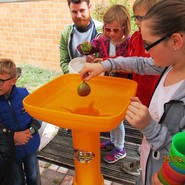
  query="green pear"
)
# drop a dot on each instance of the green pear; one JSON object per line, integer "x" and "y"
{"x": 83, "y": 89}
{"x": 86, "y": 47}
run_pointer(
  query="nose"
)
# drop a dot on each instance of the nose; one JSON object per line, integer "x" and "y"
{"x": 147, "y": 52}
{"x": 78, "y": 15}
{"x": 111, "y": 32}
{"x": 138, "y": 23}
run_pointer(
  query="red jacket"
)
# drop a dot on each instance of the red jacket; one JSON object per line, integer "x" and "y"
{"x": 146, "y": 83}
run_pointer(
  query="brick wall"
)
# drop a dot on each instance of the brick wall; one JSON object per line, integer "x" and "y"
{"x": 30, "y": 31}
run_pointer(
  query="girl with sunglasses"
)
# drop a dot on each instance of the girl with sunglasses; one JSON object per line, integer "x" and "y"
{"x": 114, "y": 40}
{"x": 112, "y": 43}
{"x": 163, "y": 33}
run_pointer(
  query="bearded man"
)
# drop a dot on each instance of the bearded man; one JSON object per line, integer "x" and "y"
{"x": 84, "y": 28}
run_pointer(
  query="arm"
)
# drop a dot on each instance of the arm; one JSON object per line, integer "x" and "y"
{"x": 35, "y": 126}
{"x": 22, "y": 137}
{"x": 64, "y": 53}
{"x": 160, "y": 135}
{"x": 138, "y": 116}
{"x": 138, "y": 65}
{"x": 24, "y": 122}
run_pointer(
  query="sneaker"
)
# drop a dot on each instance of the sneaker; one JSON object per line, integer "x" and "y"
{"x": 132, "y": 168}
{"x": 107, "y": 145}
{"x": 115, "y": 155}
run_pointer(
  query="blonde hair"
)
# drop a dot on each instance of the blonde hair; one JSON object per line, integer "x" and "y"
{"x": 146, "y": 4}
{"x": 120, "y": 14}
{"x": 7, "y": 66}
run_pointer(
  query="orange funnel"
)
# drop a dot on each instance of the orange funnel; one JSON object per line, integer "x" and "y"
{"x": 57, "y": 102}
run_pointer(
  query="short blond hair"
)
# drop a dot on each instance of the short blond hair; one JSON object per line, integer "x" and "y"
{"x": 147, "y": 4}
{"x": 7, "y": 66}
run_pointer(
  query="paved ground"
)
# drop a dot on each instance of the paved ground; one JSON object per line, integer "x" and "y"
{"x": 56, "y": 175}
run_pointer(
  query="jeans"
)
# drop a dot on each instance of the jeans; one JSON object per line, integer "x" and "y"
{"x": 26, "y": 171}
{"x": 117, "y": 136}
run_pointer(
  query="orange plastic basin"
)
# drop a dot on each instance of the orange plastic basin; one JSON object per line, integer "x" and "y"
{"x": 57, "y": 102}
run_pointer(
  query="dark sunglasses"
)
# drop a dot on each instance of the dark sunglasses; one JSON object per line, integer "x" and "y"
{"x": 149, "y": 46}
{"x": 138, "y": 17}
{"x": 2, "y": 81}
{"x": 115, "y": 30}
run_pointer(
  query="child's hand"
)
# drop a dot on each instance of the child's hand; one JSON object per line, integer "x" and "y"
{"x": 90, "y": 58}
{"x": 91, "y": 70}
{"x": 155, "y": 179}
{"x": 93, "y": 59}
{"x": 97, "y": 60}
{"x": 137, "y": 114}
{"x": 22, "y": 137}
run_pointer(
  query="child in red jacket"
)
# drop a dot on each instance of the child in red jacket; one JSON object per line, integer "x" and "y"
{"x": 146, "y": 83}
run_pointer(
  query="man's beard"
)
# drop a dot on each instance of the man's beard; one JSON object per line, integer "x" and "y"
{"x": 82, "y": 22}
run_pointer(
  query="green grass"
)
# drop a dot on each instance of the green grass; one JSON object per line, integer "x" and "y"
{"x": 33, "y": 77}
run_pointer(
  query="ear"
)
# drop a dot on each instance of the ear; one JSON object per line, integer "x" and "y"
{"x": 177, "y": 41}
{"x": 14, "y": 80}
{"x": 90, "y": 6}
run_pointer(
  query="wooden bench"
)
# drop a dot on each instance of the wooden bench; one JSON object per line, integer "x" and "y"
{"x": 60, "y": 152}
